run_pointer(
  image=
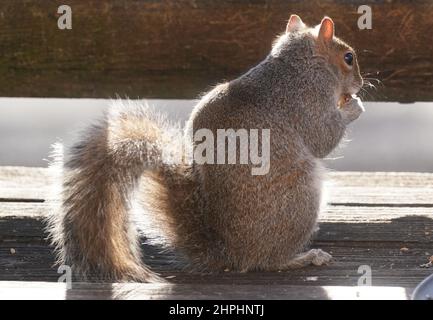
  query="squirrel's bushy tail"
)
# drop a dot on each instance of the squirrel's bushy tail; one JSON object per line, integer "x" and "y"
{"x": 93, "y": 232}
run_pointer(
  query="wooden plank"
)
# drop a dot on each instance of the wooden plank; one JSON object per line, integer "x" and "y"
{"x": 24, "y": 183}
{"x": 22, "y": 222}
{"x": 380, "y": 179}
{"x": 350, "y": 188}
{"x": 392, "y": 239}
{"x": 58, "y": 291}
{"x": 22, "y": 176}
{"x": 178, "y": 49}
{"x": 380, "y": 196}
{"x": 365, "y": 236}
{"x": 390, "y": 266}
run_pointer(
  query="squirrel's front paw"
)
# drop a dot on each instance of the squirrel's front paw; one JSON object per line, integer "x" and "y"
{"x": 352, "y": 109}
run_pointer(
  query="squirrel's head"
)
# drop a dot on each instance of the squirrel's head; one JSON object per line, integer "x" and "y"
{"x": 321, "y": 49}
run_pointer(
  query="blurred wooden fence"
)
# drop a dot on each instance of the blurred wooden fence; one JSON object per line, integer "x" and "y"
{"x": 177, "y": 49}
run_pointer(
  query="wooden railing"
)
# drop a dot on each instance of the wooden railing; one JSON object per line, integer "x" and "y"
{"x": 178, "y": 49}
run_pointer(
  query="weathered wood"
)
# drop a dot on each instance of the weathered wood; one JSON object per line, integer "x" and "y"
{"x": 26, "y": 177}
{"x": 26, "y": 184}
{"x": 376, "y": 179}
{"x": 390, "y": 266}
{"x": 349, "y": 188}
{"x": 178, "y": 49}
{"x": 134, "y": 291}
{"x": 22, "y": 222}
{"x": 393, "y": 239}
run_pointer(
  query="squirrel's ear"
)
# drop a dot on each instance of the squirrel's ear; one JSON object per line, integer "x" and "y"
{"x": 326, "y": 32}
{"x": 295, "y": 24}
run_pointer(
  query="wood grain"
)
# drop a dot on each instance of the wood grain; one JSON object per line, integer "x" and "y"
{"x": 391, "y": 234}
{"x": 350, "y": 188}
{"x": 178, "y": 49}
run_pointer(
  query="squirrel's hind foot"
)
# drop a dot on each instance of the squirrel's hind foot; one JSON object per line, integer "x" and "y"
{"x": 316, "y": 257}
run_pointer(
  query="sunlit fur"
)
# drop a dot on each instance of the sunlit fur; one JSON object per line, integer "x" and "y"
{"x": 221, "y": 216}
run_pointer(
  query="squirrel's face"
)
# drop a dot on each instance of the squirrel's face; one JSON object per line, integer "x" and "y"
{"x": 333, "y": 54}
{"x": 341, "y": 59}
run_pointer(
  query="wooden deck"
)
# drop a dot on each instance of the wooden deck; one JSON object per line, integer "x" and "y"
{"x": 383, "y": 220}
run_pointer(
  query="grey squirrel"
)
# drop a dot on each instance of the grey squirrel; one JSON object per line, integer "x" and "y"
{"x": 220, "y": 216}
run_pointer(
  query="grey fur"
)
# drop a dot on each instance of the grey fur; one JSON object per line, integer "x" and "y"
{"x": 221, "y": 216}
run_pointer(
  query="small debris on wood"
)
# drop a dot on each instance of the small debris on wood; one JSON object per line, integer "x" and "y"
{"x": 13, "y": 251}
{"x": 312, "y": 278}
{"x": 170, "y": 277}
{"x": 404, "y": 249}
{"x": 429, "y": 264}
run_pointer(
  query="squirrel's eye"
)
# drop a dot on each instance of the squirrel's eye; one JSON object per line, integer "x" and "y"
{"x": 348, "y": 58}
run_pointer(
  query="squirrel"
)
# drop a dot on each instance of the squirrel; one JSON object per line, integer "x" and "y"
{"x": 220, "y": 216}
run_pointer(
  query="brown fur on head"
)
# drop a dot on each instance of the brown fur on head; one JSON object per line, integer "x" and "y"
{"x": 341, "y": 57}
